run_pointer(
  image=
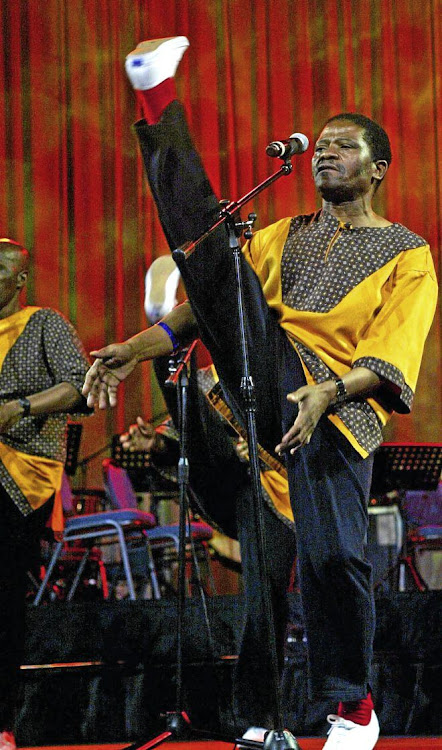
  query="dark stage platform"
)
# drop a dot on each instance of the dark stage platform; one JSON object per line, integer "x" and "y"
{"x": 104, "y": 672}
{"x": 307, "y": 743}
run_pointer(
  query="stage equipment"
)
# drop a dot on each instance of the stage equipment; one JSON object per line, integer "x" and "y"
{"x": 406, "y": 466}
{"x": 179, "y": 725}
{"x": 423, "y": 513}
{"x": 73, "y": 439}
{"x": 297, "y": 143}
{"x": 397, "y": 468}
{"x": 125, "y": 524}
{"x": 385, "y": 538}
{"x": 130, "y": 460}
{"x": 164, "y": 537}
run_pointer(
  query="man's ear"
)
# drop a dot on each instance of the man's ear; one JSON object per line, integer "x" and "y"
{"x": 381, "y": 167}
{"x": 22, "y": 278}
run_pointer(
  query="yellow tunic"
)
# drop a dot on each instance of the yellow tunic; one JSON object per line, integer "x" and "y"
{"x": 380, "y": 320}
{"x": 38, "y": 349}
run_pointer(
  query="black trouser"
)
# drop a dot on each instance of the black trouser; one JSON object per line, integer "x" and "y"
{"x": 19, "y": 548}
{"x": 329, "y": 481}
{"x": 222, "y": 489}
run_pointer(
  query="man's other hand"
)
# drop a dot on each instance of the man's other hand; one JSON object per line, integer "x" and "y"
{"x": 141, "y": 437}
{"x": 112, "y": 365}
{"x": 313, "y": 401}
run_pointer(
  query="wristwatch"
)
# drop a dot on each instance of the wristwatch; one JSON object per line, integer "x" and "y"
{"x": 341, "y": 392}
{"x": 26, "y": 406}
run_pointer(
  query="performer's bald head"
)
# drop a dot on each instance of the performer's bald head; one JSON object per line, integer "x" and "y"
{"x": 15, "y": 252}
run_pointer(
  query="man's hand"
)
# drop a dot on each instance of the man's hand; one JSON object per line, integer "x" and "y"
{"x": 313, "y": 400}
{"x": 242, "y": 449}
{"x": 112, "y": 365}
{"x": 10, "y": 414}
{"x": 141, "y": 437}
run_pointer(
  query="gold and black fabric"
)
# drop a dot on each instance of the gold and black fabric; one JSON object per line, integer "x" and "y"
{"x": 351, "y": 297}
{"x": 329, "y": 479}
{"x": 39, "y": 348}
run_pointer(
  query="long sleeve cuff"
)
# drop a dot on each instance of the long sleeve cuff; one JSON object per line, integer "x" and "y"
{"x": 394, "y": 391}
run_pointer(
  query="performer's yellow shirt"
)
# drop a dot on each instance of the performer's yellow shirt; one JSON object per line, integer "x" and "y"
{"x": 39, "y": 348}
{"x": 347, "y": 297}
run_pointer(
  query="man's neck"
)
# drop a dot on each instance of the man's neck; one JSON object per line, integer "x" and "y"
{"x": 11, "y": 308}
{"x": 359, "y": 213}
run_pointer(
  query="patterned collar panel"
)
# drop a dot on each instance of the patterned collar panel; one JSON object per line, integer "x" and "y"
{"x": 324, "y": 259}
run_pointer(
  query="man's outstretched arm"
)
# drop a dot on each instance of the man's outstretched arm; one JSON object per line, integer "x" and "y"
{"x": 115, "y": 362}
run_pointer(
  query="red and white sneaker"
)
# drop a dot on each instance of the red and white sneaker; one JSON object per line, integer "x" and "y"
{"x": 152, "y": 62}
{"x": 346, "y": 735}
{"x": 7, "y": 741}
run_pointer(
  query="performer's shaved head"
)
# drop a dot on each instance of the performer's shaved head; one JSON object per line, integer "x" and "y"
{"x": 14, "y": 250}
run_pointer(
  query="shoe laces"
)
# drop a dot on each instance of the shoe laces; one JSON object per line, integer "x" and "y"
{"x": 339, "y": 728}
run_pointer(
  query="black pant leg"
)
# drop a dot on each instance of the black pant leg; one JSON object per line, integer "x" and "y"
{"x": 184, "y": 198}
{"x": 19, "y": 537}
{"x": 186, "y": 207}
{"x": 329, "y": 491}
{"x": 216, "y": 475}
{"x": 254, "y": 698}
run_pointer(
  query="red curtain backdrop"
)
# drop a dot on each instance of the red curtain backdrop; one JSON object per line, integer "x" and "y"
{"x": 72, "y": 183}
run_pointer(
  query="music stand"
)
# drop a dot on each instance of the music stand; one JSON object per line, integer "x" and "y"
{"x": 142, "y": 470}
{"x": 129, "y": 460}
{"x": 406, "y": 466}
{"x": 73, "y": 439}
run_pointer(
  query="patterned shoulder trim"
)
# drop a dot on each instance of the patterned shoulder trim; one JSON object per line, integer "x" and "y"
{"x": 404, "y": 239}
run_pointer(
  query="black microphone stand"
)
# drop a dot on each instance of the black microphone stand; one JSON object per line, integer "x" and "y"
{"x": 178, "y": 722}
{"x": 277, "y": 738}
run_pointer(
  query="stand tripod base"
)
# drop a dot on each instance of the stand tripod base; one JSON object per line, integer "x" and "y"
{"x": 280, "y": 740}
{"x": 179, "y": 728}
{"x": 405, "y": 571}
{"x": 178, "y": 724}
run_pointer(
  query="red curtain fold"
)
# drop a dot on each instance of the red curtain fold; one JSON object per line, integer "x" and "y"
{"x": 73, "y": 184}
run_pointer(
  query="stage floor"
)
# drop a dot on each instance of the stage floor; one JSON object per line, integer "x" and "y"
{"x": 308, "y": 743}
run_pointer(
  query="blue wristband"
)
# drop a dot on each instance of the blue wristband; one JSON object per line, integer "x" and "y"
{"x": 175, "y": 343}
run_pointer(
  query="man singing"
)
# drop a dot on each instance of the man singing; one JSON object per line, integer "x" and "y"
{"x": 339, "y": 304}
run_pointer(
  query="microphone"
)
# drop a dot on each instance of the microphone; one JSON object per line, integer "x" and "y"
{"x": 296, "y": 144}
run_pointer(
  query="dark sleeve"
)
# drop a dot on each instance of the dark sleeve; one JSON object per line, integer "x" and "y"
{"x": 64, "y": 353}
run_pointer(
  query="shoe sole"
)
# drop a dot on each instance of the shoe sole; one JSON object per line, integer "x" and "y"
{"x": 154, "y": 45}
{"x": 162, "y": 269}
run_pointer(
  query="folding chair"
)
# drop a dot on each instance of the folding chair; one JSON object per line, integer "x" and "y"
{"x": 118, "y": 485}
{"x": 124, "y": 524}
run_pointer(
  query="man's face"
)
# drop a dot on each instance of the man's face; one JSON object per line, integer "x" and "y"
{"x": 342, "y": 164}
{"x": 11, "y": 277}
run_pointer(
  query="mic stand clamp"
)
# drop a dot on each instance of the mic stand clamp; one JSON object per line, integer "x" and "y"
{"x": 228, "y": 211}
